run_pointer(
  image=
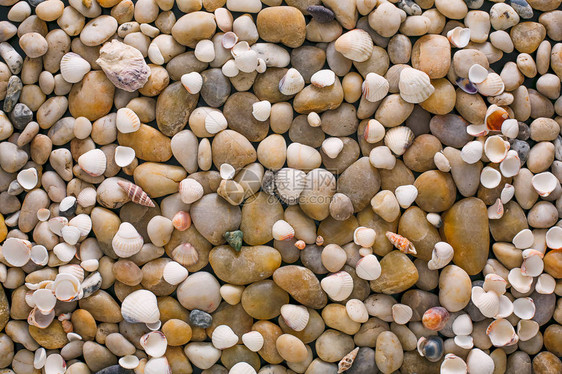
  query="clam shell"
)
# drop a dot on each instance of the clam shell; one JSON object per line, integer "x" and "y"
{"x": 44, "y": 300}
{"x": 127, "y": 121}
{"x": 323, "y": 78}
{"x": 477, "y": 130}
{"x": 527, "y": 329}
{"x": 261, "y": 110}
{"x": 73, "y": 67}
{"x": 406, "y": 195}
{"x": 231, "y": 293}
{"x": 459, "y": 37}
{"x": 190, "y": 190}
{"x": 492, "y": 86}
{"x": 223, "y": 337}
{"x": 545, "y": 284}
{"x": 364, "y": 236}
{"x": 523, "y": 239}
{"x": 338, "y": 286}
{"x": 479, "y": 362}
{"x": 227, "y": 171}
{"x": 66, "y": 287}
{"x": 295, "y": 316}
{"x": 247, "y": 61}
{"x": 93, "y": 162}
{"x": 356, "y": 310}
{"x": 441, "y": 255}
{"x": 205, "y": 50}
{"x": 174, "y": 273}
{"x": 64, "y": 252}
{"x": 282, "y": 230}
{"x": 487, "y": 302}
{"x": 242, "y": 368}
{"x": 524, "y": 308}
{"x": 129, "y": 362}
{"x": 382, "y": 158}
{"x": 39, "y": 255}
{"x": 28, "y": 178}
{"x": 505, "y": 308}
{"x": 262, "y": 66}
{"x": 453, "y": 364}
{"x": 38, "y": 319}
{"x": 401, "y": 313}
{"x": 83, "y": 223}
{"x": 90, "y": 265}
{"x": 253, "y": 340}
{"x": 490, "y": 177}
{"x": 510, "y": 128}
{"x": 16, "y": 252}
{"x": 157, "y": 365}
{"x": 494, "y": 282}
{"x": 127, "y": 241}
{"x": 215, "y": 122}
{"x": 43, "y": 214}
{"x": 140, "y": 307}
{"x": 510, "y": 166}
{"x": 477, "y": 74}
{"x": 291, "y": 83}
{"x": 508, "y": 191}
{"x": 136, "y": 194}
{"x": 398, "y": 139}
{"x": 124, "y": 156}
{"x": 154, "y": 343}
{"x": 192, "y": 82}
{"x": 374, "y": 87}
{"x": 501, "y": 333}
{"x": 533, "y": 264}
{"x": 70, "y": 234}
{"x": 229, "y": 40}
{"x": 374, "y": 132}
{"x": 229, "y": 69}
{"x": 314, "y": 119}
{"x": 87, "y": 197}
{"x": 520, "y": 282}
{"x": 464, "y": 341}
{"x": 185, "y": 254}
{"x": 495, "y": 117}
{"x": 554, "y": 237}
{"x": 495, "y": 148}
{"x": 55, "y": 364}
{"x": 368, "y": 268}
{"x": 75, "y": 270}
{"x": 356, "y": 45}
{"x": 332, "y": 147}
{"x": 415, "y": 86}
{"x": 544, "y": 183}
{"x": 472, "y": 152}
{"x": 462, "y": 325}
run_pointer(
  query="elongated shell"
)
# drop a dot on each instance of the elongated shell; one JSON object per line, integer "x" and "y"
{"x": 501, "y": 333}
{"x": 338, "y": 286}
{"x": 127, "y": 121}
{"x": 174, "y": 273}
{"x": 190, "y": 190}
{"x": 127, "y": 241}
{"x": 415, "y": 86}
{"x": 223, "y": 337}
{"x": 140, "y": 307}
{"x": 185, "y": 254}
{"x": 136, "y": 194}
{"x": 399, "y": 139}
{"x": 93, "y": 162}
{"x": 291, "y": 83}
{"x": 154, "y": 343}
{"x": 323, "y": 78}
{"x": 16, "y": 252}
{"x": 73, "y": 67}
{"x": 192, "y": 82}
{"x": 401, "y": 243}
{"x": 375, "y": 87}
{"x": 282, "y": 230}
{"x": 356, "y": 45}
{"x": 295, "y": 316}
{"x": 253, "y": 340}
{"x": 347, "y": 361}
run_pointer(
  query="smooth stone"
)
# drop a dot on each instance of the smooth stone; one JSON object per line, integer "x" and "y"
{"x": 454, "y": 288}
{"x": 4, "y": 308}
{"x": 92, "y": 97}
{"x": 547, "y": 304}
{"x": 419, "y": 301}
{"x": 553, "y": 339}
{"x": 320, "y": 186}
{"x": 216, "y": 87}
{"x": 419, "y": 156}
{"x": 468, "y": 218}
{"x": 301, "y": 284}
{"x": 102, "y": 307}
{"x": 34, "y": 200}
{"x": 184, "y": 63}
{"x": 282, "y": 24}
{"x": 432, "y": 55}
{"x": 546, "y": 363}
{"x": 173, "y": 107}
{"x": 149, "y": 144}
{"x": 193, "y": 27}
{"x": 270, "y": 333}
{"x": 158, "y": 179}
{"x": 232, "y": 148}
{"x": 360, "y": 182}
{"x": 199, "y": 291}
{"x": 239, "y": 353}
{"x": 527, "y": 36}
{"x": 364, "y": 362}
{"x": 213, "y": 216}
{"x": 337, "y": 232}
{"x": 258, "y": 216}
{"x": 308, "y": 60}
{"x": 266, "y": 86}
{"x": 389, "y": 354}
{"x": 84, "y": 324}
{"x": 311, "y": 257}
{"x": 348, "y": 155}
{"x": 333, "y": 345}
{"x": 200, "y": 318}
{"x": 184, "y": 146}
{"x": 512, "y": 221}
{"x": 51, "y": 337}
{"x": 264, "y": 299}
{"x": 238, "y": 113}
{"x": 519, "y": 362}
{"x": 398, "y": 274}
{"x": 466, "y": 176}
{"x": 315, "y": 99}
{"x": 335, "y": 316}
{"x": 436, "y": 191}
{"x": 178, "y": 361}
{"x": 414, "y": 226}
{"x": 450, "y": 129}
{"x": 249, "y": 265}
{"x": 105, "y": 224}
{"x": 311, "y": 332}
{"x": 553, "y": 263}
{"x": 341, "y": 121}
{"x": 98, "y": 357}
{"x": 414, "y": 363}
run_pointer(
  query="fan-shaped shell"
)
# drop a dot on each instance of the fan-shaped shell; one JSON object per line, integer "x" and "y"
{"x": 406, "y": 195}
{"x": 492, "y": 86}
{"x": 127, "y": 121}
{"x": 181, "y": 220}
{"x": 510, "y": 128}
{"x": 223, "y": 337}
{"x": 382, "y": 158}
{"x": 140, "y": 307}
{"x": 323, "y": 78}
{"x": 282, "y": 230}
{"x": 338, "y": 286}
{"x": 83, "y": 223}
{"x": 70, "y": 234}
{"x": 174, "y": 273}
{"x": 520, "y": 282}
{"x": 242, "y": 368}
{"x": 462, "y": 325}
{"x": 93, "y": 162}
{"x": 479, "y": 362}
{"x": 124, "y": 156}
{"x": 356, "y": 45}
{"x": 261, "y": 110}
{"x": 415, "y": 86}
{"x": 487, "y": 302}
{"x": 185, "y": 254}
{"x": 154, "y": 343}
{"x": 215, "y": 122}
{"x": 229, "y": 69}
{"x": 247, "y": 61}
{"x": 190, "y": 190}
{"x": 253, "y": 340}
{"x": 398, "y": 139}
{"x": 192, "y": 82}
{"x": 127, "y": 241}
{"x": 291, "y": 83}
{"x": 16, "y": 252}
{"x": 374, "y": 132}
{"x": 87, "y": 197}
{"x": 64, "y": 252}
{"x": 546, "y": 284}
{"x": 295, "y": 316}
{"x": 375, "y": 87}
{"x": 73, "y": 67}
{"x": 75, "y": 270}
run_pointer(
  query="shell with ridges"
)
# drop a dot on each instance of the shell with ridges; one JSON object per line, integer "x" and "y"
{"x": 368, "y": 268}
{"x": 356, "y": 45}
{"x": 73, "y": 269}
{"x": 93, "y": 162}
{"x": 223, "y": 337}
{"x": 185, "y": 254}
{"x": 323, "y": 78}
{"x": 127, "y": 241}
{"x": 73, "y": 67}
{"x": 140, "y": 307}
{"x": 492, "y": 86}
{"x": 136, "y": 194}
{"x": 253, "y": 340}
{"x": 215, "y": 122}
{"x": 399, "y": 139}
{"x": 487, "y": 302}
{"x": 127, "y": 121}
{"x": 291, "y": 83}
{"x": 295, "y": 316}
{"x": 375, "y": 87}
{"x": 401, "y": 243}
{"x": 338, "y": 286}
{"x": 70, "y": 234}
{"x": 83, "y": 223}
{"x": 261, "y": 110}
{"x": 87, "y": 197}
{"x": 190, "y": 190}
{"x": 415, "y": 86}
{"x": 64, "y": 252}
{"x": 192, "y": 82}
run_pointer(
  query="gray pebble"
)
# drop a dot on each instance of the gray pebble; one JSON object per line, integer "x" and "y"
{"x": 522, "y": 8}
{"x": 320, "y": 13}
{"x": 13, "y": 92}
{"x": 522, "y": 148}
{"x": 115, "y": 369}
{"x": 546, "y": 305}
{"x": 20, "y": 116}
{"x": 364, "y": 363}
{"x": 518, "y": 363}
{"x": 411, "y": 8}
{"x": 524, "y": 131}
{"x": 200, "y": 318}
{"x": 216, "y": 87}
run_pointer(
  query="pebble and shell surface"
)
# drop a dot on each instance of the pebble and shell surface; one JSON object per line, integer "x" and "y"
{"x": 280, "y": 186}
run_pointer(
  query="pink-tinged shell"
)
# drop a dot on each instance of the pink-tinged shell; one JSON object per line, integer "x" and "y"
{"x": 185, "y": 254}
{"x": 319, "y": 240}
{"x": 136, "y": 194}
{"x": 401, "y": 243}
{"x": 435, "y": 318}
{"x": 300, "y": 244}
{"x": 181, "y": 220}
{"x": 347, "y": 361}
{"x": 501, "y": 333}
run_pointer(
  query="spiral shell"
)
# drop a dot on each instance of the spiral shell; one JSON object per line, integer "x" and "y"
{"x": 136, "y": 194}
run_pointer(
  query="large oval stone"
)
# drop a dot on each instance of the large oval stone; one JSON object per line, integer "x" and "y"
{"x": 315, "y": 99}
{"x": 319, "y": 187}
{"x": 398, "y": 274}
{"x": 454, "y": 288}
{"x": 283, "y": 24}
{"x": 302, "y": 285}
{"x": 360, "y": 182}
{"x": 92, "y": 97}
{"x": 213, "y": 216}
{"x": 159, "y": 179}
{"x": 436, "y": 191}
{"x": 512, "y": 221}
{"x": 232, "y": 148}
{"x": 465, "y": 227}
{"x": 414, "y": 226}
{"x": 193, "y": 27}
{"x": 238, "y": 113}
{"x": 264, "y": 299}
{"x": 149, "y": 144}
{"x": 173, "y": 107}
{"x": 259, "y": 213}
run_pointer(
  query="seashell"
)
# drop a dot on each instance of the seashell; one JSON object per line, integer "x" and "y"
{"x": 338, "y": 286}
{"x": 490, "y": 177}
{"x": 347, "y": 361}
{"x": 154, "y": 343}
{"x": 501, "y": 333}
{"x": 505, "y": 308}
{"x": 464, "y": 341}
{"x": 129, "y": 362}
{"x": 67, "y": 206}
{"x": 533, "y": 264}
{"x": 519, "y": 281}
{"x": 524, "y": 308}
{"x": 140, "y": 307}
{"x": 261, "y": 110}
{"x": 364, "y": 236}
{"x": 38, "y": 319}
{"x": 441, "y": 255}
{"x": 401, "y": 313}
{"x": 511, "y": 165}
{"x": 28, "y": 178}
{"x": 73, "y": 67}
{"x": 64, "y": 252}
{"x": 523, "y": 239}
{"x": 545, "y": 284}
{"x": 435, "y": 318}
{"x": 282, "y": 230}
{"x": 174, "y": 273}
{"x": 240, "y": 48}
{"x": 291, "y": 83}
{"x": 253, "y": 340}
{"x": 73, "y": 269}
{"x": 332, "y": 147}
{"x": 472, "y": 152}
{"x": 127, "y": 241}
{"x": 510, "y": 128}
{"x": 466, "y": 85}
{"x": 223, "y": 337}
{"x": 398, "y": 139}
{"x": 231, "y": 293}
{"x": 477, "y": 130}
{"x": 406, "y": 195}
{"x": 205, "y": 50}
{"x": 491, "y": 86}
{"x": 227, "y": 171}
{"x": 527, "y": 329}
{"x": 39, "y": 358}
{"x": 190, "y": 190}
{"x": 487, "y": 302}
{"x": 43, "y": 214}
{"x": 363, "y": 251}
{"x": 314, "y": 119}
{"x": 453, "y": 364}
{"x": 479, "y": 362}
{"x": 229, "y": 69}
{"x": 127, "y": 121}
{"x": 55, "y": 364}
{"x": 87, "y": 197}
{"x": 247, "y": 61}
{"x": 323, "y": 78}
{"x": 401, "y": 243}
{"x": 494, "y": 282}
{"x": 66, "y": 287}
{"x": 70, "y": 234}
{"x": 434, "y": 219}
{"x": 44, "y": 300}
{"x": 554, "y": 237}
{"x": 181, "y": 220}
{"x": 462, "y": 325}
{"x": 496, "y": 210}
{"x": 39, "y": 255}
{"x": 300, "y": 244}
{"x": 415, "y": 86}
{"x": 262, "y": 66}
{"x": 477, "y": 74}
{"x": 124, "y": 156}
{"x": 192, "y": 82}
{"x": 215, "y": 122}
{"x": 382, "y": 158}
{"x": 357, "y": 311}
{"x": 459, "y": 37}
{"x": 185, "y": 254}
{"x": 495, "y": 148}
{"x": 154, "y": 326}
{"x": 508, "y": 191}
{"x": 93, "y": 162}
{"x": 242, "y": 368}
{"x": 368, "y": 267}
{"x": 123, "y": 65}
{"x": 441, "y": 162}
{"x": 229, "y": 40}
{"x": 431, "y": 348}
{"x": 136, "y": 194}
{"x": 544, "y": 183}
{"x": 356, "y": 45}
{"x": 16, "y": 252}
{"x": 295, "y": 316}
{"x": 157, "y": 365}
{"x": 495, "y": 116}
{"x": 90, "y": 265}
{"x": 375, "y": 87}
{"x": 374, "y": 132}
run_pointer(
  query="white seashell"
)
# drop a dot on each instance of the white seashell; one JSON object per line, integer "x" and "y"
{"x": 374, "y": 132}
{"x": 83, "y": 223}
{"x": 127, "y": 121}
{"x": 462, "y": 325}
{"x": 406, "y": 195}
{"x": 215, "y": 122}
{"x": 261, "y": 110}
{"x": 545, "y": 284}
{"x": 459, "y": 37}
{"x": 223, "y": 337}
{"x": 496, "y": 149}
{"x": 520, "y": 282}
{"x": 157, "y": 365}
{"x": 66, "y": 204}
{"x": 205, "y": 50}
{"x": 87, "y": 197}
{"x": 291, "y": 83}
{"x": 66, "y": 287}
{"x": 510, "y": 128}
{"x": 494, "y": 282}
{"x": 253, "y": 340}
{"x": 127, "y": 241}
{"x": 70, "y": 234}
{"x": 129, "y": 362}
{"x": 28, "y": 178}
{"x": 398, "y": 139}
{"x": 323, "y": 78}
{"x": 414, "y": 85}
{"x": 64, "y": 252}
{"x": 511, "y": 165}
{"x": 231, "y": 293}
{"x": 375, "y": 87}
{"x": 544, "y": 183}
{"x": 479, "y": 362}
{"x": 39, "y": 255}
{"x": 507, "y": 192}
{"x": 401, "y": 313}
{"x": 229, "y": 40}
{"x": 356, "y": 45}
{"x": 453, "y": 364}
{"x": 533, "y": 264}
{"x": 501, "y": 333}
{"x": 44, "y": 300}
{"x": 338, "y": 286}
{"x": 527, "y": 329}
{"x": 357, "y": 311}
{"x": 155, "y": 54}
{"x": 363, "y": 251}
{"x": 554, "y": 237}
{"x": 490, "y": 177}
{"x": 464, "y": 341}
{"x": 229, "y": 69}
{"x": 73, "y": 269}
{"x": 523, "y": 239}
{"x": 124, "y": 156}
{"x": 154, "y": 326}
{"x": 240, "y": 48}
{"x": 90, "y": 265}
{"x": 39, "y": 358}
{"x": 487, "y": 302}
{"x": 442, "y": 162}
{"x": 368, "y": 268}
{"x": 247, "y": 61}
{"x": 295, "y": 316}
{"x": 262, "y": 65}
{"x": 364, "y": 236}
{"x": 492, "y": 86}
{"x": 190, "y": 190}
{"x": 506, "y": 307}
{"x": 382, "y": 158}
{"x": 314, "y": 119}
{"x": 434, "y": 219}
{"x": 140, "y": 307}
{"x": 477, "y": 130}
{"x": 54, "y": 364}
{"x": 16, "y": 252}
{"x": 154, "y": 343}
{"x": 43, "y": 214}
{"x": 477, "y": 73}
{"x": 496, "y": 210}
{"x": 282, "y": 230}
{"x": 332, "y": 147}
{"x": 524, "y": 308}
{"x": 73, "y": 67}
{"x": 38, "y": 319}
{"x": 441, "y": 255}
{"x": 93, "y": 162}
{"x": 174, "y": 273}
{"x": 471, "y": 153}
{"x": 192, "y": 82}
{"x": 227, "y": 171}
{"x": 185, "y": 254}
{"x": 242, "y": 368}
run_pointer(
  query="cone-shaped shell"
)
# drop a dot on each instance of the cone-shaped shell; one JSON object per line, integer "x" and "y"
{"x": 347, "y": 361}
{"x": 16, "y": 252}
{"x": 127, "y": 241}
{"x": 398, "y": 139}
{"x": 253, "y": 340}
{"x": 192, "y": 82}
{"x": 282, "y": 230}
{"x": 174, "y": 273}
{"x": 356, "y": 45}
{"x": 185, "y": 254}
{"x": 136, "y": 194}
{"x": 154, "y": 343}
{"x": 140, "y": 307}
{"x": 295, "y": 316}
{"x": 93, "y": 162}
{"x": 415, "y": 85}
{"x": 501, "y": 333}
{"x": 291, "y": 83}
{"x": 190, "y": 190}
{"x": 73, "y": 67}
{"x": 374, "y": 87}
{"x": 127, "y": 121}
{"x": 401, "y": 243}
{"x": 223, "y": 337}
{"x": 338, "y": 286}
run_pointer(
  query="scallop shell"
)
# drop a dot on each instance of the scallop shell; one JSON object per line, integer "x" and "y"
{"x": 39, "y": 255}
{"x": 459, "y": 37}
{"x": 190, "y": 190}
{"x": 73, "y": 67}
{"x": 242, "y": 368}
{"x": 374, "y": 132}
{"x": 477, "y": 74}
{"x": 16, "y": 252}
{"x": 75, "y": 270}
{"x": 192, "y": 82}
{"x": 406, "y": 195}
{"x": 229, "y": 69}
{"x": 38, "y": 319}
{"x": 511, "y": 165}
{"x": 55, "y": 364}
{"x": 356, "y": 45}
{"x": 401, "y": 313}
{"x": 66, "y": 287}
{"x": 441, "y": 162}
{"x": 487, "y": 302}
{"x": 205, "y": 50}
{"x": 181, "y": 220}
{"x": 496, "y": 210}
{"x": 545, "y": 284}
{"x": 127, "y": 241}
{"x": 462, "y": 325}
{"x": 157, "y": 365}
{"x": 174, "y": 273}
{"x": 136, "y": 194}
{"x": 523, "y": 239}
{"x": 527, "y": 329}
{"x": 129, "y": 362}
{"x": 28, "y": 178}
{"x": 70, "y": 234}
{"x": 215, "y": 122}
{"x": 472, "y": 152}
{"x": 453, "y": 364}
{"x": 544, "y": 183}
{"x": 93, "y": 162}
{"x": 185, "y": 254}
{"x": 495, "y": 117}
{"x": 357, "y": 311}
{"x": 282, "y": 230}
{"x": 510, "y": 128}
{"x": 261, "y": 110}
{"x": 295, "y": 316}
{"x": 364, "y": 236}
{"x": 140, "y": 307}
{"x": 479, "y": 362}
{"x": 64, "y": 252}
{"x": 398, "y": 139}
{"x": 501, "y": 333}
{"x": 332, "y": 147}
{"x": 154, "y": 343}
{"x": 253, "y": 340}
{"x": 441, "y": 255}
{"x": 39, "y": 358}
{"x": 291, "y": 83}
{"x": 124, "y": 156}
{"x": 229, "y": 40}
{"x": 347, "y": 361}
{"x": 492, "y": 86}
{"x": 127, "y": 121}
{"x": 44, "y": 300}
{"x": 374, "y": 87}
{"x": 495, "y": 148}
{"x": 338, "y": 286}
{"x": 415, "y": 86}
{"x": 490, "y": 177}
{"x": 401, "y": 243}
{"x": 223, "y": 337}
{"x": 87, "y": 197}
{"x": 323, "y": 78}
{"x": 520, "y": 282}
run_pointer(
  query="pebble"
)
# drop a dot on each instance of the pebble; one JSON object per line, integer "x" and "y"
{"x": 173, "y": 108}
{"x": 398, "y": 274}
{"x": 301, "y": 284}
{"x": 272, "y": 24}
{"x": 82, "y": 100}
{"x": 51, "y": 337}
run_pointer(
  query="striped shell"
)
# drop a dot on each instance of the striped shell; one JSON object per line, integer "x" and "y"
{"x": 127, "y": 241}
{"x": 136, "y": 194}
{"x": 401, "y": 243}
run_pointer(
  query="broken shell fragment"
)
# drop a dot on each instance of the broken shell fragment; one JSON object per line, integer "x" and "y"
{"x": 501, "y": 333}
